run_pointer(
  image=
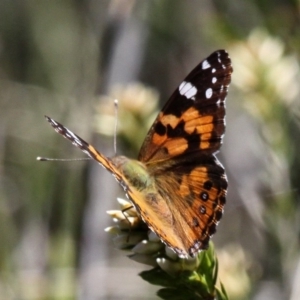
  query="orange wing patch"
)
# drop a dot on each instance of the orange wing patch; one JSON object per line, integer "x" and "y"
{"x": 200, "y": 125}
{"x": 172, "y": 135}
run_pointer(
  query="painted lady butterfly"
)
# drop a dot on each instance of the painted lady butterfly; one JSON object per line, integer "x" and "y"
{"x": 177, "y": 185}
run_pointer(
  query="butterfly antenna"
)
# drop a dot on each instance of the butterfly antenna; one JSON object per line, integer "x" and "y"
{"x": 116, "y": 104}
{"x": 40, "y": 158}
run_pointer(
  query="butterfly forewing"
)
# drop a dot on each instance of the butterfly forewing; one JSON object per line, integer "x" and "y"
{"x": 193, "y": 118}
{"x": 86, "y": 148}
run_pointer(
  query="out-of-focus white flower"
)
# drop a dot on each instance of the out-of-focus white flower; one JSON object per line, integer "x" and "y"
{"x": 263, "y": 70}
{"x": 136, "y": 103}
{"x": 233, "y": 266}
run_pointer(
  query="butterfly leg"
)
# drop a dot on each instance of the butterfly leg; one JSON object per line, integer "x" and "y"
{"x": 123, "y": 212}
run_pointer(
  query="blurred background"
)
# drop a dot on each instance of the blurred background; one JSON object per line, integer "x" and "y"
{"x": 70, "y": 59}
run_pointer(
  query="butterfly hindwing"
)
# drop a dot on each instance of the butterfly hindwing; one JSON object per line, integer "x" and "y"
{"x": 195, "y": 192}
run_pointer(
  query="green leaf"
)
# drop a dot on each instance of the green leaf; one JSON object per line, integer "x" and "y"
{"x": 198, "y": 284}
{"x": 157, "y": 276}
{"x": 222, "y": 295}
{"x": 179, "y": 294}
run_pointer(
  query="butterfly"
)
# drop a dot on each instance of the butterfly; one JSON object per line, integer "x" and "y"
{"x": 177, "y": 184}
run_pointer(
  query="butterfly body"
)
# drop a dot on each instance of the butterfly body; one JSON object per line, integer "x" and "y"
{"x": 135, "y": 172}
{"x": 177, "y": 185}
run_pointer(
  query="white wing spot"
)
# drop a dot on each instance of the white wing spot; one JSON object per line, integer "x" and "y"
{"x": 70, "y": 134}
{"x": 213, "y": 70}
{"x": 208, "y": 93}
{"x": 223, "y": 67}
{"x": 78, "y": 142}
{"x": 205, "y": 65}
{"x": 214, "y": 80}
{"x": 221, "y": 89}
{"x": 219, "y": 60}
{"x": 188, "y": 90}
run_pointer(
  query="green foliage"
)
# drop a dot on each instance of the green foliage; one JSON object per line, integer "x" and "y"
{"x": 198, "y": 284}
